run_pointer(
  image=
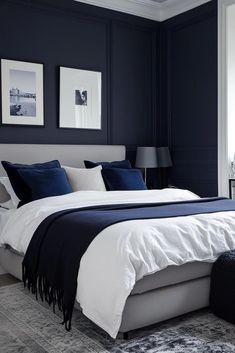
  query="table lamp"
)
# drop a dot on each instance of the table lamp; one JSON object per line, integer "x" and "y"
{"x": 164, "y": 157}
{"x": 146, "y": 157}
{"x": 164, "y": 161}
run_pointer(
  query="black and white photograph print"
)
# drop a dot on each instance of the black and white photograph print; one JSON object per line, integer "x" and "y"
{"x": 22, "y": 93}
{"x": 80, "y": 97}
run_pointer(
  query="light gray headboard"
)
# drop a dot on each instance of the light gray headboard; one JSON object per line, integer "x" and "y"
{"x": 70, "y": 155}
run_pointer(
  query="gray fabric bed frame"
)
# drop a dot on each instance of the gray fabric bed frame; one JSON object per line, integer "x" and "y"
{"x": 148, "y": 307}
{"x": 191, "y": 292}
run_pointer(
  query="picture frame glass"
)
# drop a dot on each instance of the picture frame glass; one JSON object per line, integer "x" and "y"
{"x": 22, "y": 93}
{"x": 80, "y": 99}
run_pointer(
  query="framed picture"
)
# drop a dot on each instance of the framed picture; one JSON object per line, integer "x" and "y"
{"x": 80, "y": 99}
{"x": 22, "y": 93}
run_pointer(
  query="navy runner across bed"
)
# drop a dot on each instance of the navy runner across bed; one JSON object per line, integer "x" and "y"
{"x": 51, "y": 263}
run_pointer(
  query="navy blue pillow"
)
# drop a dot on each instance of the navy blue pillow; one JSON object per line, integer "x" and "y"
{"x": 123, "y": 179}
{"x": 21, "y": 189}
{"x": 46, "y": 182}
{"x": 116, "y": 164}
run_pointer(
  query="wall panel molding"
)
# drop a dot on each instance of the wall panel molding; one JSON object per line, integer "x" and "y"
{"x": 134, "y": 54}
{"x": 191, "y": 51}
{"x": 77, "y": 35}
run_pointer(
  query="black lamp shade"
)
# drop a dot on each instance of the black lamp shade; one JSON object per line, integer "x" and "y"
{"x": 164, "y": 157}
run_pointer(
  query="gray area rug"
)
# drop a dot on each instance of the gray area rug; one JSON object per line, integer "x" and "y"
{"x": 28, "y": 326}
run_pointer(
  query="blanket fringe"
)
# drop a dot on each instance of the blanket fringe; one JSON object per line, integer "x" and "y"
{"x": 38, "y": 285}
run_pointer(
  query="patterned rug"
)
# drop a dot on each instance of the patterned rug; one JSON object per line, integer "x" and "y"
{"x": 28, "y": 326}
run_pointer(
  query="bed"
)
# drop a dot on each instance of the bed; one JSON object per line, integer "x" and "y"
{"x": 165, "y": 294}
{"x": 158, "y": 297}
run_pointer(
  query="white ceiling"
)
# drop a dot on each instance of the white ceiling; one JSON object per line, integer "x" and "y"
{"x": 158, "y": 10}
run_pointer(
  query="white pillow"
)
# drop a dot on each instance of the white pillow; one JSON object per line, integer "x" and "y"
{"x": 14, "y": 201}
{"x": 85, "y": 179}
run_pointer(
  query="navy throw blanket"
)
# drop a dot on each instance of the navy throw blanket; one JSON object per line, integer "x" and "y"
{"x": 51, "y": 263}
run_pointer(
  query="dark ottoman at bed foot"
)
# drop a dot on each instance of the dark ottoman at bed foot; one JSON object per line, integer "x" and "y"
{"x": 222, "y": 292}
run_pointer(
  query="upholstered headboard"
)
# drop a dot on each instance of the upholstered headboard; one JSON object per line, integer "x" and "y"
{"x": 70, "y": 155}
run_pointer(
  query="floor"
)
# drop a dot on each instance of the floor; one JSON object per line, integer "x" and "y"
{"x": 6, "y": 280}
{"x": 200, "y": 332}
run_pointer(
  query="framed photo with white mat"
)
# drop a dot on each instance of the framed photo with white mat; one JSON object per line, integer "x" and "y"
{"x": 22, "y": 93}
{"x": 80, "y": 99}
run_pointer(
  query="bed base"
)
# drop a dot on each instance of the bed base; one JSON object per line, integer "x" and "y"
{"x": 165, "y": 303}
{"x": 142, "y": 309}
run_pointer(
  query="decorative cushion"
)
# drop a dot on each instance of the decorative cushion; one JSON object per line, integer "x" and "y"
{"x": 85, "y": 179}
{"x": 45, "y": 182}
{"x": 123, "y": 179}
{"x": 20, "y": 187}
{"x": 125, "y": 164}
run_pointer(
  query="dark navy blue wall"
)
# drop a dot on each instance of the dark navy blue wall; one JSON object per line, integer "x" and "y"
{"x": 71, "y": 34}
{"x": 189, "y": 98}
{"x": 159, "y": 80}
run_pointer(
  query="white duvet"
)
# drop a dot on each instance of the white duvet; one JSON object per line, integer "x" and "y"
{"x": 125, "y": 252}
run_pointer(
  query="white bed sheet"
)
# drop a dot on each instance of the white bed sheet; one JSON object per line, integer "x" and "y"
{"x": 4, "y": 216}
{"x": 126, "y": 252}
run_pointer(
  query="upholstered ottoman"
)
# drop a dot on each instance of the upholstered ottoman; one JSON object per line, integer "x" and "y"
{"x": 222, "y": 292}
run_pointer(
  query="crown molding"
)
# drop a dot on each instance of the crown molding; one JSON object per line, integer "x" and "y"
{"x": 173, "y": 7}
{"x": 148, "y": 8}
